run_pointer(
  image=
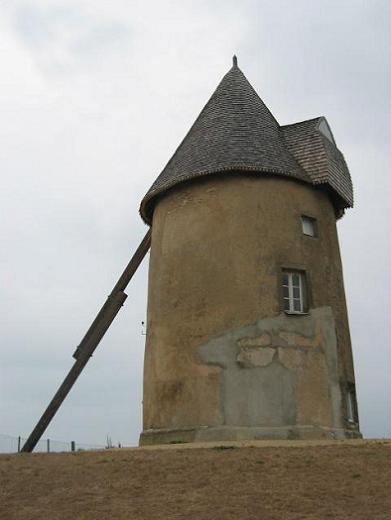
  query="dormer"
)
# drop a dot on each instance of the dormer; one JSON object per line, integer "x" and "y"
{"x": 324, "y": 128}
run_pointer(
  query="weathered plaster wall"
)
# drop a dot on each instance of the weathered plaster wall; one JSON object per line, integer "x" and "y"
{"x": 279, "y": 371}
{"x": 218, "y": 245}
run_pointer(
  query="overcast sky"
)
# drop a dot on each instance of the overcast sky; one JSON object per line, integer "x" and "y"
{"x": 95, "y": 96}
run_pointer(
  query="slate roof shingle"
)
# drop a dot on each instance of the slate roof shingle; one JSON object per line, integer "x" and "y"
{"x": 236, "y": 132}
{"x": 320, "y": 157}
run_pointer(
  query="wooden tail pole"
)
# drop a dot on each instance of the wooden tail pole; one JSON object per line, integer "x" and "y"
{"x": 90, "y": 341}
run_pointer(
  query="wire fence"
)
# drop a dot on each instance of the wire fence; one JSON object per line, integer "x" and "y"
{"x": 10, "y": 444}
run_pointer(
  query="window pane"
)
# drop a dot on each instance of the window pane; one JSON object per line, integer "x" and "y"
{"x": 296, "y": 292}
{"x": 296, "y": 279}
{"x": 296, "y": 305}
{"x": 308, "y": 225}
{"x": 293, "y": 291}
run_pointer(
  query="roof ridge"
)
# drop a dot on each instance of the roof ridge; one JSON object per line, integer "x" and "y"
{"x": 304, "y": 121}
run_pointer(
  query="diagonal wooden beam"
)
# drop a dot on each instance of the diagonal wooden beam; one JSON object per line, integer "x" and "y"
{"x": 90, "y": 341}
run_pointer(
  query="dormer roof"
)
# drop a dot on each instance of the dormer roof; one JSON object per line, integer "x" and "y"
{"x": 236, "y": 132}
{"x": 313, "y": 146}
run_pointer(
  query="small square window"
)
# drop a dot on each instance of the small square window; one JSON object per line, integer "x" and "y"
{"x": 308, "y": 225}
{"x": 294, "y": 292}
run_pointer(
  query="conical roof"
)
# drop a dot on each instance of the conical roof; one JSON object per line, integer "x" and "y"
{"x": 234, "y": 132}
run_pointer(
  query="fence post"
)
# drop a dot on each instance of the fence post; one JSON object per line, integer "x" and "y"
{"x": 19, "y": 444}
{"x": 73, "y": 446}
{"x": 48, "y": 445}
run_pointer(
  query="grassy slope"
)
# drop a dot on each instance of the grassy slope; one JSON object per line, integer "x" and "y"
{"x": 342, "y": 480}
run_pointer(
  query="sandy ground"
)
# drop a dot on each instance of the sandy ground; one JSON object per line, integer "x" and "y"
{"x": 260, "y": 480}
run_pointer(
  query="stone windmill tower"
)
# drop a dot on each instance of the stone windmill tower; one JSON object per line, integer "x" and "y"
{"x": 247, "y": 332}
{"x": 248, "y": 335}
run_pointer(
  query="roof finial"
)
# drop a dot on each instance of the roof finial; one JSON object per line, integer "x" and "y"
{"x": 234, "y": 61}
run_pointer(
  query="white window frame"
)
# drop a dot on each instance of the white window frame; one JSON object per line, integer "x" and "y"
{"x": 291, "y": 299}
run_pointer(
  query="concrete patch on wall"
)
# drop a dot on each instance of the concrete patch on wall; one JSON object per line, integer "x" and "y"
{"x": 255, "y": 357}
{"x": 279, "y": 371}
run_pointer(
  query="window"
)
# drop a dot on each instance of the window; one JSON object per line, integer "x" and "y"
{"x": 350, "y": 407}
{"x": 293, "y": 292}
{"x": 308, "y": 225}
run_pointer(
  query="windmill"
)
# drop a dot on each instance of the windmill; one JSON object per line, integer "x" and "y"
{"x": 247, "y": 333}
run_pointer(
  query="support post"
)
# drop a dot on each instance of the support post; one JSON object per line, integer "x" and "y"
{"x": 90, "y": 341}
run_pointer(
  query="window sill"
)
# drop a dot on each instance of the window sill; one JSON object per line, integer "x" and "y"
{"x": 293, "y": 313}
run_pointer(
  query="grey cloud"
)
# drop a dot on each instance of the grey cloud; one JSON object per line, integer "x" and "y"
{"x": 39, "y": 26}
{"x": 104, "y": 37}
{"x": 61, "y": 37}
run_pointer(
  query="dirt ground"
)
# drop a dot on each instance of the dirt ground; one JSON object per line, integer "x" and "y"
{"x": 264, "y": 480}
